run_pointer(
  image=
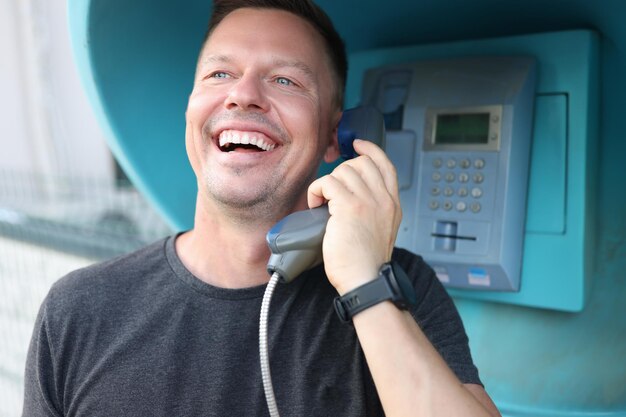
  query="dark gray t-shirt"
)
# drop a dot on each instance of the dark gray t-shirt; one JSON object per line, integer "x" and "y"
{"x": 141, "y": 336}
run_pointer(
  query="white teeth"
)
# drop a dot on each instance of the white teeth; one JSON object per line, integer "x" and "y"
{"x": 225, "y": 137}
{"x": 244, "y": 138}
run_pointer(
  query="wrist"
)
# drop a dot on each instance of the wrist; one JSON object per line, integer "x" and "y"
{"x": 354, "y": 279}
{"x": 391, "y": 284}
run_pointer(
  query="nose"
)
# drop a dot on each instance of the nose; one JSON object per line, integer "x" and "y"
{"x": 247, "y": 94}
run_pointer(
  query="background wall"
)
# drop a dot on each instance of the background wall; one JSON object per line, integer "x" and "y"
{"x": 62, "y": 204}
{"x": 46, "y": 122}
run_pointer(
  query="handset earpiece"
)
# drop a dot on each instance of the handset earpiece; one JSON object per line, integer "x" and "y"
{"x": 364, "y": 122}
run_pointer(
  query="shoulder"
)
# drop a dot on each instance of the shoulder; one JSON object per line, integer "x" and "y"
{"x": 104, "y": 281}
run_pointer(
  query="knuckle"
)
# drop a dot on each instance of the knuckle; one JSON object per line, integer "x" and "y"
{"x": 342, "y": 169}
{"x": 388, "y": 205}
{"x": 365, "y": 160}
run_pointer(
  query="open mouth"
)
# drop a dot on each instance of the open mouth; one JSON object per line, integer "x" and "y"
{"x": 233, "y": 140}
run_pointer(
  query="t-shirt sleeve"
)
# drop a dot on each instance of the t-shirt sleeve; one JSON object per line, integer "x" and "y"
{"x": 40, "y": 393}
{"x": 438, "y": 317}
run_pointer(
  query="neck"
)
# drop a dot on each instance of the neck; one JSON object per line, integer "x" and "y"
{"x": 227, "y": 250}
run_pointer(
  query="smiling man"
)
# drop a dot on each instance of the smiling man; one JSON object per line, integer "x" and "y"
{"x": 171, "y": 330}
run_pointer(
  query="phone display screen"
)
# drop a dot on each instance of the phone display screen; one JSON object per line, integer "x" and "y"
{"x": 460, "y": 129}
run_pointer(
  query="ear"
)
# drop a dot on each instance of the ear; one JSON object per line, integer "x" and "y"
{"x": 332, "y": 151}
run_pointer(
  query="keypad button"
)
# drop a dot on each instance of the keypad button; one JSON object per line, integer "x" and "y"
{"x": 451, "y": 163}
{"x": 450, "y": 177}
{"x": 461, "y": 206}
{"x": 479, "y": 163}
{"x": 434, "y": 204}
{"x": 475, "y": 207}
{"x": 436, "y": 176}
{"x": 448, "y": 191}
{"x": 462, "y": 192}
{"x": 435, "y": 191}
{"x": 447, "y": 205}
{"x": 478, "y": 178}
{"x": 437, "y": 163}
{"x": 465, "y": 163}
{"x": 477, "y": 192}
{"x": 463, "y": 177}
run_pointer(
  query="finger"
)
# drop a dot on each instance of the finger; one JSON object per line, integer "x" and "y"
{"x": 386, "y": 172}
{"x": 362, "y": 177}
{"x": 381, "y": 160}
{"x": 385, "y": 166}
{"x": 352, "y": 177}
{"x": 324, "y": 189}
{"x": 369, "y": 174}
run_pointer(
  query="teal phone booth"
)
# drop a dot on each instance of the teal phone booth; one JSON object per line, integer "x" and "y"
{"x": 558, "y": 243}
{"x": 554, "y": 345}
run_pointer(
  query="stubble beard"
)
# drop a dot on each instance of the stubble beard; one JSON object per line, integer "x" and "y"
{"x": 270, "y": 201}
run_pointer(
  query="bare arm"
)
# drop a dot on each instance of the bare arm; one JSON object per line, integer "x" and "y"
{"x": 410, "y": 376}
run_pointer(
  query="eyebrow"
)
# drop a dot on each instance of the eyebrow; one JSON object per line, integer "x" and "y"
{"x": 304, "y": 68}
{"x": 216, "y": 58}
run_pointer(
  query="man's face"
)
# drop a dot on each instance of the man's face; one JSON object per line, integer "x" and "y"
{"x": 261, "y": 115}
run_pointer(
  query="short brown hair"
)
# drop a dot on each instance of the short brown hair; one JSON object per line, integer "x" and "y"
{"x": 305, "y": 9}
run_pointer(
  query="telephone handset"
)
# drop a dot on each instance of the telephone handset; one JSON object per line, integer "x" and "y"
{"x": 296, "y": 240}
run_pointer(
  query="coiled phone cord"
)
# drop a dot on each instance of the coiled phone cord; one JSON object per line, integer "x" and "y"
{"x": 263, "y": 351}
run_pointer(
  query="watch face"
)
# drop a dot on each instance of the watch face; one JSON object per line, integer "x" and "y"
{"x": 403, "y": 283}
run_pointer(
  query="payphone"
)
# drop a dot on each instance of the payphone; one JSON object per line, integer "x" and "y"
{"x": 459, "y": 132}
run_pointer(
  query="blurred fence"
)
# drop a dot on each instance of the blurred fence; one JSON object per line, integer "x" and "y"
{"x": 48, "y": 227}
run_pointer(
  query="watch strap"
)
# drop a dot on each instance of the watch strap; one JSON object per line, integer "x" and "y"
{"x": 363, "y": 297}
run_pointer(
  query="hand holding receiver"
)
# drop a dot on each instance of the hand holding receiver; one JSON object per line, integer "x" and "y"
{"x": 365, "y": 214}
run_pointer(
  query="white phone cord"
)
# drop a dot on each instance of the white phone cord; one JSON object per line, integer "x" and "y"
{"x": 264, "y": 357}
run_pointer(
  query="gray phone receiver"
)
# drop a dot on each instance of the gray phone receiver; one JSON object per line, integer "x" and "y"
{"x": 296, "y": 240}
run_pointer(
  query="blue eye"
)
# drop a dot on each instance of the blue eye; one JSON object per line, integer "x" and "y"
{"x": 219, "y": 75}
{"x": 284, "y": 81}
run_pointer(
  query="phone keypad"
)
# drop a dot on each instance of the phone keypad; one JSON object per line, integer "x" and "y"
{"x": 459, "y": 182}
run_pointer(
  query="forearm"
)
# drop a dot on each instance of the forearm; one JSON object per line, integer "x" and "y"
{"x": 410, "y": 376}
{"x": 365, "y": 213}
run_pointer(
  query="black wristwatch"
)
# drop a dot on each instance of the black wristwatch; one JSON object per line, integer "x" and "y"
{"x": 392, "y": 284}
